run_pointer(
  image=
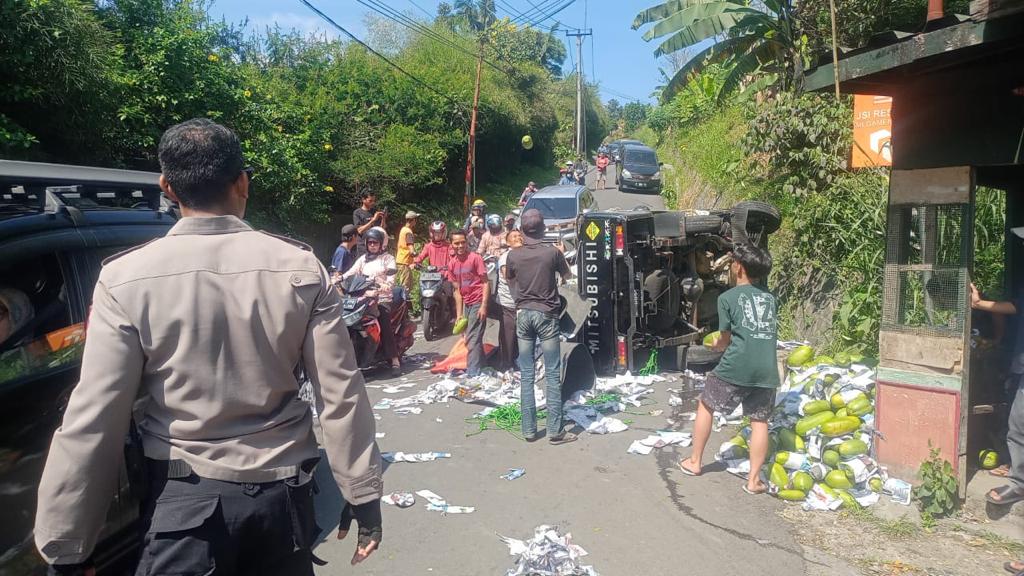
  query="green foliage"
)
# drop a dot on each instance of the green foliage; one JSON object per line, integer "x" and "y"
{"x": 800, "y": 141}
{"x": 858, "y": 20}
{"x": 753, "y": 38}
{"x": 634, "y": 114}
{"x": 937, "y": 494}
{"x": 320, "y": 120}
{"x": 990, "y": 242}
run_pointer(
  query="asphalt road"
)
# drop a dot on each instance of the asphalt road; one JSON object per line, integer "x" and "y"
{"x": 612, "y": 197}
{"x": 633, "y": 514}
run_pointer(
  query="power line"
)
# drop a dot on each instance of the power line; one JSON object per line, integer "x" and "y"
{"x": 341, "y": 29}
{"x": 396, "y": 16}
{"x": 546, "y": 11}
{"x": 429, "y": 15}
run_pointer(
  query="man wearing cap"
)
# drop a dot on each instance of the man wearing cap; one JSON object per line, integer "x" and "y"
{"x": 404, "y": 255}
{"x": 531, "y": 272}
{"x": 1014, "y": 491}
{"x": 344, "y": 254}
{"x": 209, "y": 325}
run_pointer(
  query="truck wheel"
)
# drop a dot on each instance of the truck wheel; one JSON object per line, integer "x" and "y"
{"x": 702, "y": 359}
{"x": 760, "y": 215}
{"x": 701, "y": 224}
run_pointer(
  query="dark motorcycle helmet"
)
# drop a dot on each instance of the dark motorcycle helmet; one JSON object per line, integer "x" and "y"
{"x": 377, "y": 235}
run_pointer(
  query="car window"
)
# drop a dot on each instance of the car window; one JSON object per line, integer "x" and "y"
{"x": 586, "y": 201}
{"x": 559, "y": 208}
{"x": 38, "y": 334}
{"x": 642, "y": 157}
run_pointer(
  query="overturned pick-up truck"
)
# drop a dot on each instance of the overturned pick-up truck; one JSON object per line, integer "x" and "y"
{"x": 652, "y": 280}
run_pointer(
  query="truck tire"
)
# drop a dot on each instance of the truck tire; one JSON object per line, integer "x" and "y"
{"x": 702, "y": 359}
{"x": 701, "y": 224}
{"x": 760, "y": 215}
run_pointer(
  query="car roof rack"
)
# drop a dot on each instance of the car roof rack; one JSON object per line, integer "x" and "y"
{"x": 53, "y": 188}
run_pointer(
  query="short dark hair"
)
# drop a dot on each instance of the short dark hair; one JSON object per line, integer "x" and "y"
{"x": 755, "y": 260}
{"x": 200, "y": 160}
{"x": 366, "y": 194}
{"x": 459, "y": 232}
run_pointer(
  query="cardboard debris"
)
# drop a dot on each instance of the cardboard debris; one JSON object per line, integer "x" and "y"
{"x": 547, "y": 554}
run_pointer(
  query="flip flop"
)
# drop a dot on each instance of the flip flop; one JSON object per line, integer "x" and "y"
{"x": 752, "y": 493}
{"x": 1000, "y": 471}
{"x": 563, "y": 438}
{"x": 686, "y": 470}
{"x": 1008, "y": 566}
{"x": 1008, "y": 495}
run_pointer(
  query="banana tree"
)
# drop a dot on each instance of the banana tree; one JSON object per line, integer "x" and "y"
{"x": 751, "y": 38}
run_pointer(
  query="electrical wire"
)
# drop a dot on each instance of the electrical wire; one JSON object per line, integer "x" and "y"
{"x": 429, "y": 15}
{"x": 546, "y": 11}
{"x": 355, "y": 39}
{"x": 399, "y": 18}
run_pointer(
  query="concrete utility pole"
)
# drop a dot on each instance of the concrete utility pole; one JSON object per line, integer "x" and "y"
{"x": 581, "y": 118}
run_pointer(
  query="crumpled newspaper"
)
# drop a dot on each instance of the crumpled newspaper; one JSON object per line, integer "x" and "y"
{"x": 547, "y": 554}
{"x": 660, "y": 440}
{"x": 420, "y": 457}
{"x": 591, "y": 419}
{"x": 436, "y": 503}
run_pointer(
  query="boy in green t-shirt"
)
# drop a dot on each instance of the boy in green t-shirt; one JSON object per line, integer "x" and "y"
{"x": 748, "y": 373}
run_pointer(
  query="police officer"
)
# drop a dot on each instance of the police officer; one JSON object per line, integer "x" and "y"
{"x": 208, "y": 325}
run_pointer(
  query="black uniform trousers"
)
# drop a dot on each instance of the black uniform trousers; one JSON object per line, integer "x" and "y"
{"x": 202, "y": 527}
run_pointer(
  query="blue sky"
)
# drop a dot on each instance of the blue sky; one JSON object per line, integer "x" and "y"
{"x": 622, "y": 62}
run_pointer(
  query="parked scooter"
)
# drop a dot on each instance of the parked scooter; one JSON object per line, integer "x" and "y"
{"x": 438, "y": 303}
{"x": 360, "y": 312}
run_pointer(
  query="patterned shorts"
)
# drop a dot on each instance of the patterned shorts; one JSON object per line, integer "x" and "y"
{"x": 721, "y": 396}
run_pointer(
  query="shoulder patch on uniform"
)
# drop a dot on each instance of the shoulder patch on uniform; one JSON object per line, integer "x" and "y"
{"x": 292, "y": 241}
{"x": 110, "y": 259}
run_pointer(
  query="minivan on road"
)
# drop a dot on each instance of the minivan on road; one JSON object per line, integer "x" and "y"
{"x": 640, "y": 170}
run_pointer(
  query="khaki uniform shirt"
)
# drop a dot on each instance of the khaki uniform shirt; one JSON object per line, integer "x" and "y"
{"x": 210, "y": 324}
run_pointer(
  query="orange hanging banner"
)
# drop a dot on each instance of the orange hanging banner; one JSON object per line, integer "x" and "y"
{"x": 872, "y": 131}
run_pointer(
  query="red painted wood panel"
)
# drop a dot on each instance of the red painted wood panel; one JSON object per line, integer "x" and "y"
{"x": 909, "y": 417}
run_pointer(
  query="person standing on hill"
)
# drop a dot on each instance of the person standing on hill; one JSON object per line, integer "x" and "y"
{"x": 748, "y": 372}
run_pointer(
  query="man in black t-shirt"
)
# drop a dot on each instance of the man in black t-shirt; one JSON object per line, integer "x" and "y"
{"x": 531, "y": 272}
{"x": 365, "y": 217}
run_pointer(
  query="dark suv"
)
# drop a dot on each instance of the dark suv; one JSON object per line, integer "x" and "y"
{"x": 640, "y": 169}
{"x": 57, "y": 224}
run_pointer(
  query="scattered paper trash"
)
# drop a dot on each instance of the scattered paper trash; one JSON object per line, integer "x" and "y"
{"x": 547, "y": 554}
{"x": 399, "y": 499}
{"x": 675, "y": 401}
{"x": 421, "y": 457}
{"x": 408, "y": 410}
{"x": 436, "y": 503}
{"x": 656, "y": 412}
{"x": 899, "y": 490}
{"x": 660, "y": 440}
{"x": 438, "y": 420}
{"x": 380, "y": 434}
{"x": 513, "y": 473}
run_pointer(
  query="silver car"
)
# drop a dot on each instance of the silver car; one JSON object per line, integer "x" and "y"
{"x": 560, "y": 205}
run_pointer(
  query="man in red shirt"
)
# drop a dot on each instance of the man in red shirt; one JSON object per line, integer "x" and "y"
{"x": 602, "y": 170}
{"x": 468, "y": 275}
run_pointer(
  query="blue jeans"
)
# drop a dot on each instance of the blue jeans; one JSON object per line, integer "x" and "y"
{"x": 474, "y": 340}
{"x": 531, "y": 326}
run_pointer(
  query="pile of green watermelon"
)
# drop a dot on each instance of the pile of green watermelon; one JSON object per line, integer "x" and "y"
{"x": 821, "y": 434}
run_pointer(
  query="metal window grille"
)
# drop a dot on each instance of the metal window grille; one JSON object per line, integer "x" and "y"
{"x": 927, "y": 257}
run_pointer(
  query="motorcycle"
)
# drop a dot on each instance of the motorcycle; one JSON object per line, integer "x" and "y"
{"x": 438, "y": 303}
{"x": 581, "y": 174}
{"x": 360, "y": 313}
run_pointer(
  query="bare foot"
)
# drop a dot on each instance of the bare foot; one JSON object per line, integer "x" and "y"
{"x": 1000, "y": 471}
{"x": 755, "y": 487}
{"x": 689, "y": 467}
